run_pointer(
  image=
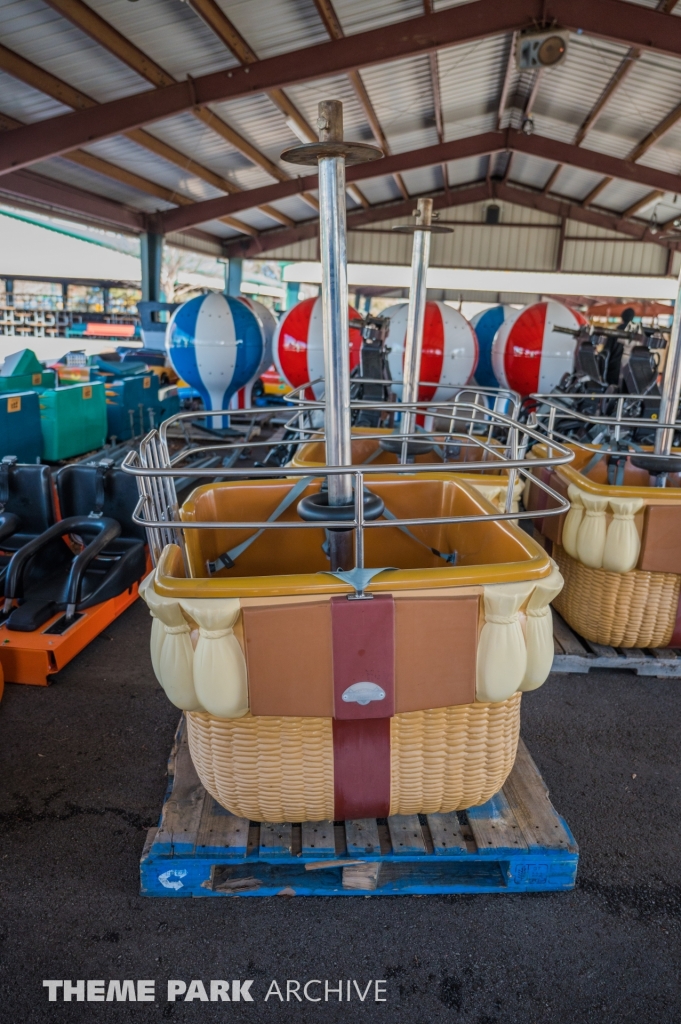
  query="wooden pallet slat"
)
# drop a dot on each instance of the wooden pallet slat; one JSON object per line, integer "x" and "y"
{"x": 445, "y": 830}
{"x": 515, "y": 842}
{"x": 221, "y": 831}
{"x": 318, "y": 839}
{"x": 573, "y": 653}
{"x": 406, "y": 834}
{"x": 539, "y": 823}
{"x": 276, "y": 840}
{"x": 495, "y": 828}
{"x": 362, "y": 837}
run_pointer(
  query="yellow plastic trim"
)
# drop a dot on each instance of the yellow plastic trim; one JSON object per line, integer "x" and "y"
{"x": 171, "y": 580}
{"x": 651, "y": 495}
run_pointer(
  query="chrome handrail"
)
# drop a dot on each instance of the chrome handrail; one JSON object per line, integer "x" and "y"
{"x": 158, "y": 508}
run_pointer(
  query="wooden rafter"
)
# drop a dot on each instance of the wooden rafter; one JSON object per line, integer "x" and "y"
{"x": 109, "y": 170}
{"x": 218, "y": 22}
{"x": 641, "y": 203}
{"x": 108, "y": 37}
{"x": 45, "y": 82}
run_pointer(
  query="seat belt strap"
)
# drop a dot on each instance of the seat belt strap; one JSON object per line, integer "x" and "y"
{"x": 451, "y": 558}
{"x": 228, "y": 559}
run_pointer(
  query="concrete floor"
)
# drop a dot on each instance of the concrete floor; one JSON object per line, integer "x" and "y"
{"x": 83, "y": 776}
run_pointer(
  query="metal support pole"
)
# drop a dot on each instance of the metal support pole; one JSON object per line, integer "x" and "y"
{"x": 335, "y": 327}
{"x": 151, "y": 255}
{"x": 330, "y": 154}
{"x": 413, "y": 346}
{"x": 671, "y": 383}
{"x": 234, "y": 274}
{"x": 335, "y": 303}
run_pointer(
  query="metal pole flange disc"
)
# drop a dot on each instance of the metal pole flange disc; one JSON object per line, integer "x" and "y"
{"x": 435, "y": 229}
{"x": 352, "y": 152}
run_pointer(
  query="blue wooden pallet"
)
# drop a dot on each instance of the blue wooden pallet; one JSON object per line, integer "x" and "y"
{"x": 516, "y": 842}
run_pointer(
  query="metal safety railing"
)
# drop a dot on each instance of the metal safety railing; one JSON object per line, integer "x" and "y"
{"x": 611, "y": 426}
{"x": 158, "y": 508}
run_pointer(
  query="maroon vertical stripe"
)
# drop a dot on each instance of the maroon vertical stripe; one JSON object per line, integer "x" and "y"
{"x": 361, "y": 768}
{"x": 363, "y": 634}
{"x": 363, "y": 652}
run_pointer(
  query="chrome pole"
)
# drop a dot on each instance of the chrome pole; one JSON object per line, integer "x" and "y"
{"x": 671, "y": 382}
{"x": 335, "y": 327}
{"x": 330, "y": 154}
{"x": 413, "y": 346}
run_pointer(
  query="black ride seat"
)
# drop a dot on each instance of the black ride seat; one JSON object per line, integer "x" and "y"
{"x": 93, "y": 554}
{"x": 26, "y": 507}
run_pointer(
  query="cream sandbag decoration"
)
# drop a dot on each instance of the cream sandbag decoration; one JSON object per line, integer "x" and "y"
{"x": 539, "y": 630}
{"x": 622, "y": 544}
{"x": 213, "y": 677}
{"x": 573, "y": 520}
{"x": 589, "y": 538}
{"x": 172, "y": 654}
{"x": 502, "y": 654}
{"x": 220, "y": 674}
{"x": 508, "y": 658}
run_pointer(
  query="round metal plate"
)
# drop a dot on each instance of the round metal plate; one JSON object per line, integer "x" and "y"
{"x": 354, "y": 153}
{"x": 435, "y": 229}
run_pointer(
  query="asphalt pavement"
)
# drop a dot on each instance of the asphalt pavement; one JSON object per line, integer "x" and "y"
{"x": 82, "y": 777}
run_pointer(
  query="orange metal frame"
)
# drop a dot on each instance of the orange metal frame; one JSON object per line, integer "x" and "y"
{"x": 33, "y": 657}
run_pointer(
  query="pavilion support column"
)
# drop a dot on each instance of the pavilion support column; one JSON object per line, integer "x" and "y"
{"x": 235, "y": 269}
{"x": 151, "y": 255}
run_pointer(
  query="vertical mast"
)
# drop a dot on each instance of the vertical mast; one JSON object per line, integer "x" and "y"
{"x": 671, "y": 383}
{"x": 420, "y": 258}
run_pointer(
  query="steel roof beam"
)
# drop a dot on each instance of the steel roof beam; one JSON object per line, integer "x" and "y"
{"x": 616, "y": 20}
{"x": 24, "y": 185}
{"x": 477, "y": 192}
{"x": 476, "y": 145}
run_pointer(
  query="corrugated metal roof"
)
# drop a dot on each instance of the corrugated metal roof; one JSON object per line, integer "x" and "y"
{"x": 570, "y": 91}
{"x": 278, "y": 26}
{"x": 171, "y": 34}
{"x": 25, "y": 103}
{"x": 575, "y": 183}
{"x": 402, "y": 96}
{"x": 90, "y": 181}
{"x": 41, "y": 35}
{"x": 470, "y": 79}
{"x": 360, "y": 16}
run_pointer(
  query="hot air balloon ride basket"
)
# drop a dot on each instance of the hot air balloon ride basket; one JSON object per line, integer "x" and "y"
{"x": 515, "y": 842}
{"x": 617, "y": 547}
{"x": 382, "y": 690}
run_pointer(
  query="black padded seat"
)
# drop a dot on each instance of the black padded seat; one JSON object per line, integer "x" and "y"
{"x": 27, "y": 506}
{"x": 93, "y": 554}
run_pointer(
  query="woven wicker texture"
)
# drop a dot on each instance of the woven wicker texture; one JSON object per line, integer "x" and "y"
{"x": 452, "y": 758}
{"x": 281, "y": 769}
{"x": 630, "y": 609}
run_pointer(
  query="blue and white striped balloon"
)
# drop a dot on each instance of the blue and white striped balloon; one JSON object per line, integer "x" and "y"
{"x": 216, "y": 344}
{"x": 486, "y": 323}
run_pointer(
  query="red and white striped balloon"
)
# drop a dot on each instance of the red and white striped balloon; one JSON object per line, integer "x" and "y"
{"x": 528, "y": 355}
{"x": 449, "y": 354}
{"x": 299, "y": 346}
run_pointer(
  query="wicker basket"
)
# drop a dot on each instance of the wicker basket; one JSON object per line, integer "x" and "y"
{"x": 281, "y": 769}
{"x": 631, "y": 609}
